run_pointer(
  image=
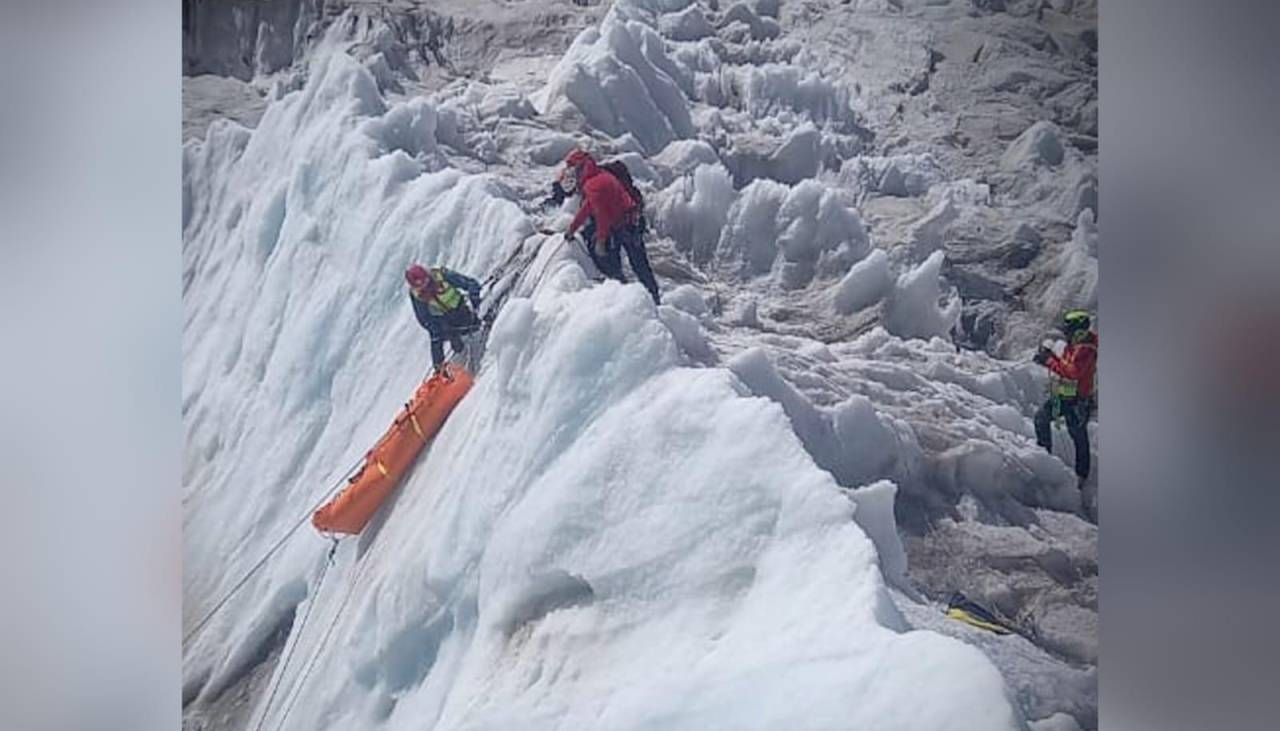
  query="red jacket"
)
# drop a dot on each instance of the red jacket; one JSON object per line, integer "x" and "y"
{"x": 1078, "y": 363}
{"x": 604, "y": 198}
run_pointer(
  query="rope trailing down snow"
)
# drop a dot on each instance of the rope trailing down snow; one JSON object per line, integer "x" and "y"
{"x": 270, "y": 552}
{"x": 319, "y": 648}
{"x": 297, "y": 636}
{"x": 522, "y": 266}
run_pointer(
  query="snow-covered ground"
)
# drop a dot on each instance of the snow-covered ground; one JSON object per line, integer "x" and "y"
{"x": 741, "y": 509}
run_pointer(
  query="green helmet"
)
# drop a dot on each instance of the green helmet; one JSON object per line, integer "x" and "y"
{"x": 1075, "y": 320}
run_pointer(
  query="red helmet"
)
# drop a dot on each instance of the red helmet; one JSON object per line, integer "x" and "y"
{"x": 416, "y": 275}
{"x": 577, "y": 158}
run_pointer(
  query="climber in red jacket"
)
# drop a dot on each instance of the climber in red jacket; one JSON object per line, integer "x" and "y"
{"x": 1072, "y": 397}
{"x": 615, "y": 216}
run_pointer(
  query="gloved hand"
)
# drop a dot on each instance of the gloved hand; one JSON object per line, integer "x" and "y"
{"x": 557, "y": 196}
{"x": 1042, "y": 355}
{"x": 475, "y": 302}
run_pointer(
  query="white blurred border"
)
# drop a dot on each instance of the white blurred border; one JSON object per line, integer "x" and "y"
{"x": 90, "y": 246}
{"x": 1190, "y": 225}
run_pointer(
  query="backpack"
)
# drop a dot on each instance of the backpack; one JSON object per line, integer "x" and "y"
{"x": 619, "y": 170}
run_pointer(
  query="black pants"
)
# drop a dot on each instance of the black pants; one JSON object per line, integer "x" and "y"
{"x": 610, "y": 265}
{"x": 1075, "y": 412}
{"x": 451, "y": 327}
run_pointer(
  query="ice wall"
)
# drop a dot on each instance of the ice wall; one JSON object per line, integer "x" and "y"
{"x": 600, "y": 537}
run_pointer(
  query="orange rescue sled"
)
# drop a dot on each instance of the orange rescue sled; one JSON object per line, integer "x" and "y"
{"x": 387, "y": 462}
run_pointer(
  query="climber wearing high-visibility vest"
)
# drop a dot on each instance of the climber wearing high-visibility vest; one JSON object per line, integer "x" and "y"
{"x": 436, "y": 294}
{"x": 1072, "y": 395}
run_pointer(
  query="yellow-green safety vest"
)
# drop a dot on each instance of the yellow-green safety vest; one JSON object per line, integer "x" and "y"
{"x": 1069, "y": 388}
{"x": 1065, "y": 387}
{"x": 447, "y": 299}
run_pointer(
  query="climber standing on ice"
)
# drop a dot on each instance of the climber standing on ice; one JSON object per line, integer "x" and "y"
{"x": 436, "y": 295}
{"x": 614, "y": 215}
{"x": 1072, "y": 395}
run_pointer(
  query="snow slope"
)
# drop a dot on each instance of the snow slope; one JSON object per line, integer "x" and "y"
{"x": 599, "y": 537}
{"x": 673, "y": 517}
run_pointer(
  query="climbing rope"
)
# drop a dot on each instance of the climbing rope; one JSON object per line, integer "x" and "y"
{"x": 523, "y": 265}
{"x": 315, "y": 655}
{"x": 364, "y": 563}
{"x": 550, "y": 258}
{"x": 492, "y": 303}
{"x": 498, "y": 270}
{"x": 283, "y": 539}
{"x": 297, "y": 637}
{"x": 511, "y": 271}
{"x": 267, "y": 556}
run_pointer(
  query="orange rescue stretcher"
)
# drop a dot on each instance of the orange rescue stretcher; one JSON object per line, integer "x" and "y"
{"x": 390, "y": 458}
